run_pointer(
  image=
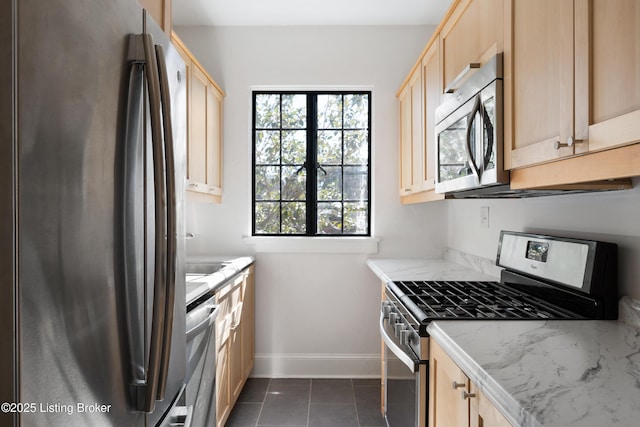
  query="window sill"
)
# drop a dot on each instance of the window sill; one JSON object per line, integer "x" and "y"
{"x": 313, "y": 245}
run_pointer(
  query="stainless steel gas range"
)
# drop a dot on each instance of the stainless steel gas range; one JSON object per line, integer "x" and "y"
{"x": 543, "y": 277}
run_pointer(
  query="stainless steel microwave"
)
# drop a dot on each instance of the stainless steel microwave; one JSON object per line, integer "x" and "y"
{"x": 469, "y": 141}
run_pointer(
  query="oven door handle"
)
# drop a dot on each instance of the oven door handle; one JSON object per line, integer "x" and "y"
{"x": 412, "y": 363}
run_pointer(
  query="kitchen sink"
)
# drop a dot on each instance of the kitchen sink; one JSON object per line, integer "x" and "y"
{"x": 205, "y": 268}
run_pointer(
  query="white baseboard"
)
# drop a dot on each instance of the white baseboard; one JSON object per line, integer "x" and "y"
{"x": 316, "y": 366}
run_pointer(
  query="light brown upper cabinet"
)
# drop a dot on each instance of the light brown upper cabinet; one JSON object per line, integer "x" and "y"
{"x": 411, "y": 135}
{"x": 160, "y": 11}
{"x": 472, "y": 34}
{"x": 608, "y": 72}
{"x": 575, "y": 88}
{"x": 204, "y": 130}
{"x": 431, "y": 74}
{"x": 418, "y": 98}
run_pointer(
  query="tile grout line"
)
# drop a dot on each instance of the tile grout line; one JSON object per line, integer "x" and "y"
{"x": 309, "y": 406}
{"x": 355, "y": 402}
{"x": 264, "y": 399}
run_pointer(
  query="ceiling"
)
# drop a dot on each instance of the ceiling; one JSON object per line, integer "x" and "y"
{"x": 308, "y": 12}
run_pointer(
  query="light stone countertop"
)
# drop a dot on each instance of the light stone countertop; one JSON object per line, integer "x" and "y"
{"x": 578, "y": 373}
{"x": 202, "y": 284}
{"x": 453, "y": 265}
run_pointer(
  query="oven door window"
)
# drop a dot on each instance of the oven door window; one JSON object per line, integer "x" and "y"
{"x": 452, "y": 151}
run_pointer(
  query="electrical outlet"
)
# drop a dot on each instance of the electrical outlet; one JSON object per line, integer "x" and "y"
{"x": 484, "y": 216}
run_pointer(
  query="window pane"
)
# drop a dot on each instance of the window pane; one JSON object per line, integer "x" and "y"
{"x": 268, "y": 111}
{"x": 294, "y": 147}
{"x": 267, "y": 182}
{"x": 355, "y": 183}
{"x": 294, "y": 184}
{"x": 329, "y": 111}
{"x": 294, "y": 218}
{"x": 340, "y": 142}
{"x": 356, "y": 111}
{"x": 330, "y": 184}
{"x": 330, "y": 147}
{"x": 267, "y": 147}
{"x": 330, "y": 218}
{"x": 356, "y": 147}
{"x": 267, "y": 217}
{"x": 355, "y": 218}
{"x": 294, "y": 111}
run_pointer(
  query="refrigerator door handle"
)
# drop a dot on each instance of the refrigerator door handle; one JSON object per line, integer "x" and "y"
{"x": 132, "y": 234}
{"x": 159, "y": 296}
{"x": 171, "y": 242}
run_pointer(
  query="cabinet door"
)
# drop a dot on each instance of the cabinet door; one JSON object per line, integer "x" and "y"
{"x": 607, "y": 72}
{"x": 223, "y": 395}
{"x": 473, "y": 34}
{"x": 214, "y": 140}
{"x": 447, "y": 407}
{"x": 248, "y": 324}
{"x": 235, "y": 339}
{"x": 197, "y": 136}
{"x": 539, "y": 97}
{"x": 483, "y": 413}
{"x": 431, "y": 74}
{"x": 406, "y": 162}
{"x": 223, "y": 322}
{"x": 160, "y": 11}
{"x": 411, "y": 135}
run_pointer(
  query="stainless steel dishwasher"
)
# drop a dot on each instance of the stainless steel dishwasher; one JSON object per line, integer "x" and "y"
{"x": 201, "y": 362}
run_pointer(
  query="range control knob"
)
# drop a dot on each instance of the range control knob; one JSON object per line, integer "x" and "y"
{"x": 393, "y": 318}
{"x": 386, "y": 309}
{"x": 405, "y": 337}
{"x": 398, "y": 328}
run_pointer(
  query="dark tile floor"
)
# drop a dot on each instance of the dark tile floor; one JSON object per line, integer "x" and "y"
{"x": 308, "y": 403}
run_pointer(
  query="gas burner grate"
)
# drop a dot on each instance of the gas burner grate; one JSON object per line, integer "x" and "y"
{"x": 475, "y": 300}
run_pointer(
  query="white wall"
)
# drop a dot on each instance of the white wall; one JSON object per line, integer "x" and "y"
{"x": 612, "y": 217}
{"x": 316, "y": 314}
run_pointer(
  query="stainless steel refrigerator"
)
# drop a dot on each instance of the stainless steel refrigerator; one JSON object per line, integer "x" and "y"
{"x": 92, "y": 157}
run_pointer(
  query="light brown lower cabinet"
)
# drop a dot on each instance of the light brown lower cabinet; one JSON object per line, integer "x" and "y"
{"x": 455, "y": 401}
{"x": 234, "y": 341}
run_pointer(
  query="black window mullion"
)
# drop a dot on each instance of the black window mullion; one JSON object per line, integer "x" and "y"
{"x": 312, "y": 160}
{"x": 342, "y": 170}
{"x": 280, "y": 167}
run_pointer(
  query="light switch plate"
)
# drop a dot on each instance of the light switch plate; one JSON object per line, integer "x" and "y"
{"x": 484, "y": 216}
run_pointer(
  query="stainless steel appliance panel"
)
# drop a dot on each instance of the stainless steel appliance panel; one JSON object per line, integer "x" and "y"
{"x": 405, "y": 368}
{"x": 176, "y": 78}
{"x": 201, "y": 366}
{"x": 71, "y": 74}
{"x": 65, "y": 335}
{"x": 469, "y": 133}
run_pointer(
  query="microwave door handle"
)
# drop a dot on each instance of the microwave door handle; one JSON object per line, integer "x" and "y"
{"x": 171, "y": 241}
{"x": 488, "y": 144}
{"x": 471, "y": 158}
